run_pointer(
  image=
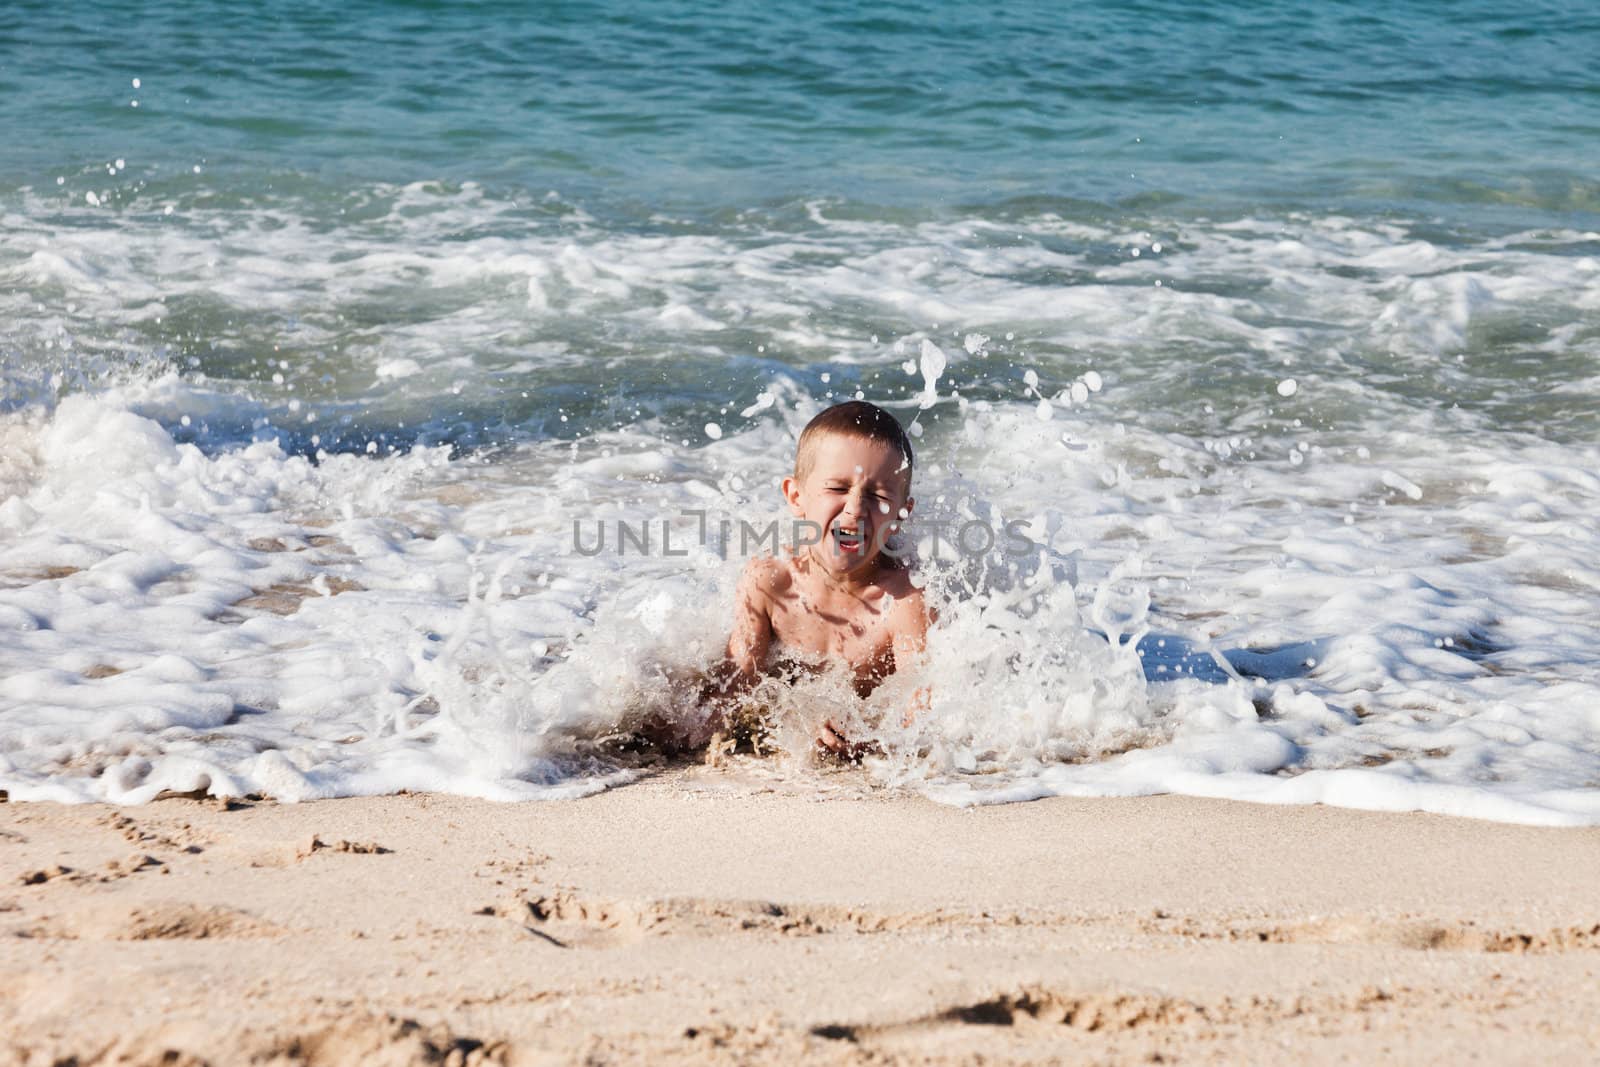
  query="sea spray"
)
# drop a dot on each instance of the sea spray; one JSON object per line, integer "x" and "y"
{"x": 240, "y": 532}
{"x": 374, "y": 622}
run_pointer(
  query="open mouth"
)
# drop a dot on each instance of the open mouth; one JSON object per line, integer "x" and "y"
{"x": 848, "y": 538}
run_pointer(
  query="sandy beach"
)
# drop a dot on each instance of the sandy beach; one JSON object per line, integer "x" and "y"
{"x": 702, "y": 916}
{"x": 403, "y": 410}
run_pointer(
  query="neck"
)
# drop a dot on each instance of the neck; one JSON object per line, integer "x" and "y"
{"x": 852, "y": 582}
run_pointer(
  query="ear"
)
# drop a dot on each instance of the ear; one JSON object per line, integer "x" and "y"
{"x": 791, "y": 493}
{"x": 908, "y": 507}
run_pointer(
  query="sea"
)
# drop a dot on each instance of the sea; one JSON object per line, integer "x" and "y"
{"x": 391, "y": 392}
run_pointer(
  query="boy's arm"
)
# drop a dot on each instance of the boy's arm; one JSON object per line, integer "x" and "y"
{"x": 751, "y": 637}
{"x": 910, "y": 636}
{"x": 908, "y": 628}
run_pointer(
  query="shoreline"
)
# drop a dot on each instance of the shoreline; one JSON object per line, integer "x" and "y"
{"x": 696, "y": 916}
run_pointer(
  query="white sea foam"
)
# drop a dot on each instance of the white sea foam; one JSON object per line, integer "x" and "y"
{"x": 1439, "y": 655}
{"x": 1345, "y": 304}
{"x": 1345, "y": 592}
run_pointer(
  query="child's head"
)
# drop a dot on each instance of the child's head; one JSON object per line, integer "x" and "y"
{"x": 852, "y": 478}
{"x": 859, "y": 421}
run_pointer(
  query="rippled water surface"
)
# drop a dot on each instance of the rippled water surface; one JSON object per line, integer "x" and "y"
{"x": 321, "y": 326}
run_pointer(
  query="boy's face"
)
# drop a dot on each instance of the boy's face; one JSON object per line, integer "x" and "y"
{"x": 855, "y": 493}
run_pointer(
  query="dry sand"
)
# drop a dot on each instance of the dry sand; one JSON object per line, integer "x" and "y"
{"x": 698, "y": 916}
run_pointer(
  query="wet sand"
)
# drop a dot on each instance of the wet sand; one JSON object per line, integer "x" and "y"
{"x": 701, "y": 916}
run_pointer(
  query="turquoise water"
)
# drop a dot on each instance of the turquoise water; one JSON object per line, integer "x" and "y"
{"x": 633, "y": 108}
{"x": 805, "y": 137}
{"x": 333, "y": 186}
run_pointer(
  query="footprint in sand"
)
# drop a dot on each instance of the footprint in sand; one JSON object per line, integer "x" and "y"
{"x": 171, "y": 921}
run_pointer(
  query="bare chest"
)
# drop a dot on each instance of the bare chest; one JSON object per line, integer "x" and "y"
{"x": 852, "y": 632}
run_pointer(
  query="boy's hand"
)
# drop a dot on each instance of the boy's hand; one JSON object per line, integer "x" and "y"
{"x": 831, "y": 740}
{"x": 838, "y": 746}
{"x": 921, "y": 700}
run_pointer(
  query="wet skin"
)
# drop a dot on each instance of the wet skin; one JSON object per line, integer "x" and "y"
{"x": 842, "y": 599}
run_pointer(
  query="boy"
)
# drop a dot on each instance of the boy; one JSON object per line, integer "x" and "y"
{"x": 840, "y": 597}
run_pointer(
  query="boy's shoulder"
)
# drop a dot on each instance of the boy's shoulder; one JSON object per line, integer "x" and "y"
{"x": 905, "y": 600}
{"x": 895, "y": 580}
{"x": 767, "y": 575}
